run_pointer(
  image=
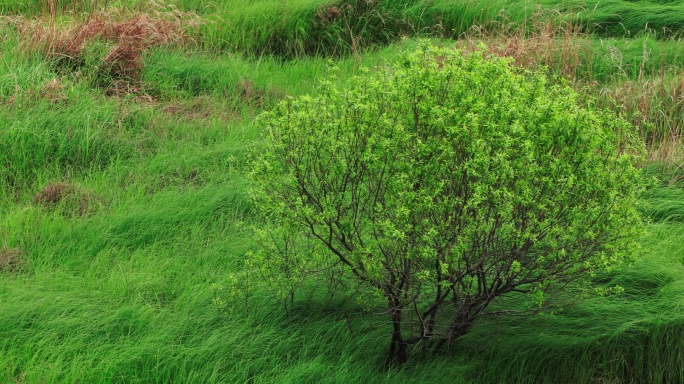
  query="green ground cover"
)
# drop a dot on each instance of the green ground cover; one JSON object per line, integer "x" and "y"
{"x": 121, "y": 211}
{"x": 324, "y": 27}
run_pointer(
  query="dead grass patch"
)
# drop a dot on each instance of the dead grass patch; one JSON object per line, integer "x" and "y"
{"x": 197, "y": 108}
{"x": 565, "y": 48}
{"x": 246, "y": 91}
{"x": 69, "y": 199}
{"x": 328, "y": 13}
{"x": 12, "y": 260}
{"x": 128, "y": 36}
{"x": 54, "y": 91}
{"x": 655, "y": 104}
{"x": 53, "y": 193}
{"x": 668, "y": 160}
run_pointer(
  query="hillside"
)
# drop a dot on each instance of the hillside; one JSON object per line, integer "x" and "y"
{"x": 124, "y": 212}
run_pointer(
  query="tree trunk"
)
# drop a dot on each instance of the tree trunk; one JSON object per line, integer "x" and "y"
{"x": 398, "y": 351}
{"x": 454, "y": 333}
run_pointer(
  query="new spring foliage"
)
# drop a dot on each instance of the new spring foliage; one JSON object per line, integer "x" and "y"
{"x": 441, "y": 183}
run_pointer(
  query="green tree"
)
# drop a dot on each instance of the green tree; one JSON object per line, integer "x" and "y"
{"x": 440, "y": 184}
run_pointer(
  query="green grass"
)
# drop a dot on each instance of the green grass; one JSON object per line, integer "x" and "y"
{"x": 306, "y": 27}
{"x": 124, "y": 297}
{"x": 629, "y": 337}
{"x": 297, "y": 28}
{"x": 124, "y": 292}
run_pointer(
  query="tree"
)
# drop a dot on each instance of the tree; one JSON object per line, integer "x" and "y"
{"x": 442, "y": 183}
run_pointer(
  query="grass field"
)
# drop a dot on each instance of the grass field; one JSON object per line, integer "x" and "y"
{"x": 123, "y": 199}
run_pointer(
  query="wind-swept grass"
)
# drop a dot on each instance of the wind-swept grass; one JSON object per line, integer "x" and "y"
{"x": 338, "y": 27}
{"x": 123, "y": 291}
{"x": 630, "y": 337}
{"x": 124, "y": 297}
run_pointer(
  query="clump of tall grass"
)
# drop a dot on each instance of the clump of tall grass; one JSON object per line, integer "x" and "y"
{"x": 44, "y": 140}
{"x": 60, "y": 8}
{"x": 663, "y": 18}
{"x": 665, "y": 204}
{"x": 654, "y": 103}
{"x": 36, "y": 7}
{"x": 340, "y": 27}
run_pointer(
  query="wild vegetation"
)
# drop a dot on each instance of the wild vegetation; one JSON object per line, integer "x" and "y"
{"x": 445, "y": 184}
{"x": 125, "y": 128}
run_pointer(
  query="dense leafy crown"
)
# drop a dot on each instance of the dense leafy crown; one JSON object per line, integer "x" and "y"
{"x": 444, "y": 181}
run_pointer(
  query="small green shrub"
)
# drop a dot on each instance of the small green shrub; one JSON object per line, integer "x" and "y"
{"x": 440, "y": 184}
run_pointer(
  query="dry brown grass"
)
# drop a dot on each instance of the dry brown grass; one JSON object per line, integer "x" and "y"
{"x": 68, "y": 198}
{"x": 199, "y": 108}
{"x": 12, "y": 260}
{"x": 128, "y": 33}
{"x": 53, "y": 91}
{"x": 655, "y": 104}
{"x": 248, "y": 92}
{"x": 564, "y": 48}
{"x": 328, "y": 13}
{"x": 53, "y": 193}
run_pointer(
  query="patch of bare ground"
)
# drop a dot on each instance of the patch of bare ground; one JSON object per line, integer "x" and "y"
{"x": 12, "y": 260}
{"x": 69, "y": 199}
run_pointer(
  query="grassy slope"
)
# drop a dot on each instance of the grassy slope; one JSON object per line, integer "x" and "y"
{"x": 337, "y": 27}
{"x": 306, "y": 27}
{"x": 122, "y": 293}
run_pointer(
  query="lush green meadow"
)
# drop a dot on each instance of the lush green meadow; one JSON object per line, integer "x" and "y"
{"x": 124, "y": 213}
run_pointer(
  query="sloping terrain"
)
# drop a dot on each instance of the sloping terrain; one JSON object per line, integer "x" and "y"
{"x": 124, "y": 213}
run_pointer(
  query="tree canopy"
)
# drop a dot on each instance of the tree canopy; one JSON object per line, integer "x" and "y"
{"x": 441, "y": 183}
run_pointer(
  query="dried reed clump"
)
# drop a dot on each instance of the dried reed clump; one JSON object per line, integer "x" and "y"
{"x": 200, "y": 108}
{"x": 70, "y": 200}
{"x": 655, "y": 104}
{"x": 53, "y": 91}
{"x": 11, "y": 260}
{"x": 130, "y": 35}
{"x": 563, "y": 47}
{"x": 53, "y": 193}
{"x": 247, "y": 91}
